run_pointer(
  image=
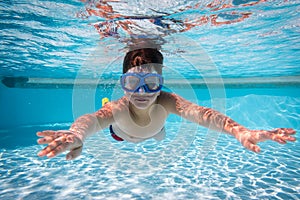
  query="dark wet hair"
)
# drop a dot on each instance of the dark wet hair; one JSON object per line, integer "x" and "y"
{"x": 140, "y": 57}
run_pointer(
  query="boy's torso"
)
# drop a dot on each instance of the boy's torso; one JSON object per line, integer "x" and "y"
{"x": 136, "y": 128}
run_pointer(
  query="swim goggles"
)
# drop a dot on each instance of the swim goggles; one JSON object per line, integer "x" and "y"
{"x": 150, "y": 82}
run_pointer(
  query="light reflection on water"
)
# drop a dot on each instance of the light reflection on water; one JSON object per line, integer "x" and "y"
{"x": 50, "y": 39}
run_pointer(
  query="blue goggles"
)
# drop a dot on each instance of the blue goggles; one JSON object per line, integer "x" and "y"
{"x": 150, "y": 82}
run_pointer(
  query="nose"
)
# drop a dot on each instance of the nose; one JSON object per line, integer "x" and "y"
{"x": 141, "y": 89}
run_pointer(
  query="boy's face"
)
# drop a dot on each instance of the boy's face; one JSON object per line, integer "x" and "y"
{"x": 142, "y": 99}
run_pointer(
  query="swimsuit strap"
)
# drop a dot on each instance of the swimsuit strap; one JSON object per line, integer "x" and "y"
{"x": 113, "y": 134}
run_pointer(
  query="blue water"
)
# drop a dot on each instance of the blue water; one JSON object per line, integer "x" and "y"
{"x": 54, "y": 67}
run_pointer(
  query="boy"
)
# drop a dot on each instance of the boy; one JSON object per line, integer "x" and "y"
{"x": 141, "y": 113}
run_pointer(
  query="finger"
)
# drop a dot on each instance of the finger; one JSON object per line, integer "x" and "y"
{"x": 284, "y": 138}
{"x": 278, "y": 135}
{"x": 290, "y": 131}
{"x": 42, "y": 153}
{"x": 290, "y": 138}
{"x": 252, "y": 147}
{"x": 61, "y": 139}
{"x": 48, "y": 139}
{"x": 285, "y": 131}
{"x": 45, "y": 140}
{"x": 58, "y": 150}
{"x": 74, "y": 153}
{"x": 52, "y": 145}
{"x": 279, "y": 139}
{"x": 45, "y": 133}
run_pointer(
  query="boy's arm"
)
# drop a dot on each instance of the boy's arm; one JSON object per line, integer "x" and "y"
{"x": 215, "y": 120}
{"x": 88, "y": 124}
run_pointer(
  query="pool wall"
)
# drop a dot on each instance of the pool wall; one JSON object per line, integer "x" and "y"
{"x": 26, "y": 110}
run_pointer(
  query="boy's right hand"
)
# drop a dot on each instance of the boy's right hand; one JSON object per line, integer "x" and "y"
{"x": 58, "y": 142}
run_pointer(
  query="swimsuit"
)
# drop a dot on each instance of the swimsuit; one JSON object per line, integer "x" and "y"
{"x": 159, "y": 136}
{"x": 113, "y": 135}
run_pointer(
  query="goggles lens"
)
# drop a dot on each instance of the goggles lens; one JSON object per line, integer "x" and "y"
{"x": 132, "y": 82}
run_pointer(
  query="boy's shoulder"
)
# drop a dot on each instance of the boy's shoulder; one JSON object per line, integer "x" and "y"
{"x": 164, "y": 93}
{"x": 167, "y": 98}
{"x": 168, "y": 95}
{"x": 173, "y": 99}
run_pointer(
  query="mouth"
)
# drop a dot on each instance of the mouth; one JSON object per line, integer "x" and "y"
{"x": 141, "y": 99}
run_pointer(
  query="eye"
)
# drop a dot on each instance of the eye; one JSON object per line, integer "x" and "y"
{"x": 152, "y": 82}
{"x": 131, "y": 82}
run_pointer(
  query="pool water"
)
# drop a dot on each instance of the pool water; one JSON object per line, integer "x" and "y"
{"x": 195, "y": 166}
{"x": 55, "y": 66}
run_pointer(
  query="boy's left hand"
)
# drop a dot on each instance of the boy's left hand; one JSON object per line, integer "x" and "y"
{"x": 250, "y": 138}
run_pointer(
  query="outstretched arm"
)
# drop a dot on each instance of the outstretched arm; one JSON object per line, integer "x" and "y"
{"x": 215, "y": 120}
{"x": 250, "y": 138}
{"x": 72, "y": 139}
